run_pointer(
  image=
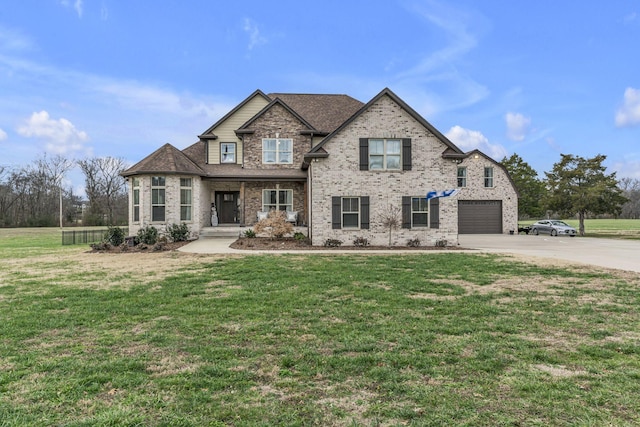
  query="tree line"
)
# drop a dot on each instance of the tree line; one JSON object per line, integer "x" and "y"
{"x": 575, "y": 187}
{"x": 36, "y": 195}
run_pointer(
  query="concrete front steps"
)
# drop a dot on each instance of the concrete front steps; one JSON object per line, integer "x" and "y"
{"x": 222, "y": 231}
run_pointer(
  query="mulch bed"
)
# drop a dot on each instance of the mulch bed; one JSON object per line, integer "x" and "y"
{"x": 266, "y": 243}
{"x": 124, "y": 248}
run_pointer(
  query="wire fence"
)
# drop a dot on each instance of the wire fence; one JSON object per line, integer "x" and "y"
{"x": 76, "y": 237}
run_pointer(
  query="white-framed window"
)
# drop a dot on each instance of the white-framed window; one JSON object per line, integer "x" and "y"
{"x": 351, "y": 212}
{"x": 277, "y": 200}
{"x": 158, "y": 198}
{"x": 488, "y": 177}
{"x": 419, "y": 212}
{"x": 186, "y": 185}
{"x": 385, "y": 154}
{"x": 462, "y": 176}
{"x": 277, "y": 150}
{"x": 136, "y": 199}
{"x": 227, "y": 152}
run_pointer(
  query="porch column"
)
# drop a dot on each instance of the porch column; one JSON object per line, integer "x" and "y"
{"x": 241, "y": 212}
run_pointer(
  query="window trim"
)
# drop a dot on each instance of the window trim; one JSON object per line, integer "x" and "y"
{"x": 157, "y": 188}
{"x": 337, "y": 218}
{"x": 461, "y": 179}
{"x": 385, "y": 153}
{"x": 135, "y": 202}
{"x": 183, "y": 204}
{"x": 277, "y": 204}
{"x": 405, "y": 156}
{"x": 488, "y": 177}
{"x": 277, "y": 152}
{"x": 350, "y": 212}
{"x": 426, "y": 212}
{"x": 222, "y": 153}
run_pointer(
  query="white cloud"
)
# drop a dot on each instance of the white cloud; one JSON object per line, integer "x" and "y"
{"x": 77, "y": 6}
{"x": 517, "y": 126}
{"x": 437, "y": 74}
{"x": 3, "y": 135}
{"x": 456, "y": 25}
{"x": 469, "y": 140}
{"x": 629, "y": 113}
{"x": 13, "y": 40}
{"x": 61, "y": 134}
{"x": 627, "y": 169}
{"x": 104, "y": 13}
{"x": 255, "y": 38}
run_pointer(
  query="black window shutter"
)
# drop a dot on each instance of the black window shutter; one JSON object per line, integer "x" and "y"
{"x": 364, "y": 212}
{"x": 406, "y": 154}
{"x": 406, "y": 211}
{"x": 364, "y": 154}
{"x": 434, "y": 213}
{"x": 336, "y": 212}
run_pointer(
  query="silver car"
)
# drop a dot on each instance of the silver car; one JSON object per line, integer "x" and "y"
{"x": 553, "y": 227}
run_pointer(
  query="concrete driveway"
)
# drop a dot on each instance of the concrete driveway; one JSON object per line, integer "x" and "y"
{"x": 609, "y": 253}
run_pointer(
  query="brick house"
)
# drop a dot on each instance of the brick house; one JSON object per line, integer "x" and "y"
{"x": 338, "y": 166}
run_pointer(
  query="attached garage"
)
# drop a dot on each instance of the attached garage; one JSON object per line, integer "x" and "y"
{"x": 480, "y": 216}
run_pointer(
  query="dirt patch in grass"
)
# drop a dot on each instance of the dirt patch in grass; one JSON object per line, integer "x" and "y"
{"x": 97, "y": 269}
{"x": 560, "y": 371}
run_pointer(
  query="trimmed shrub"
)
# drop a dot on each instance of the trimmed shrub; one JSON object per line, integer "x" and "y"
{"x": 148, "y": 235}
{"x": 413, "y": 243}
{"x": 360, "y": 242}
{"x": 178, "y": 233}
{"x": 332, "y": 243}
{"x": 250, "y": 234}
{"x": 114, "y": 236}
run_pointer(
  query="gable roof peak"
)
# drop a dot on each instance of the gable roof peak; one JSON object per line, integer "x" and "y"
{"x": 395, "y": 98}
{"x": 166, "y": 160}
{"x": 209, "y": 132}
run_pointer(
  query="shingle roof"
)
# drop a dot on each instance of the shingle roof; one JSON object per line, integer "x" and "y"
{"x": 166, "y": 160}
{"x": 324, "y": 112}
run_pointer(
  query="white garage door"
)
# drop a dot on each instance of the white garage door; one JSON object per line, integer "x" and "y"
{"x": 479, "y": 216}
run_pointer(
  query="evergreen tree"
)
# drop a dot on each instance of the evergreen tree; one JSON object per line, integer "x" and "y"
{"x": 580, "y": 186}
{"x": 530, "y": 188}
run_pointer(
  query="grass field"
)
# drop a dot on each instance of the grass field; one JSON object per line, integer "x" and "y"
{"x": 173, "y": 339}
{"x": 609, "y": 228}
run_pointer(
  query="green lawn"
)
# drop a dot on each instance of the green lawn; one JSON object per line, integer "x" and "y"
{"x": 423, "y": 339}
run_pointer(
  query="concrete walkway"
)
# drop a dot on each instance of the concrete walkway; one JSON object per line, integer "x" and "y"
{"x": 608, "y": 253}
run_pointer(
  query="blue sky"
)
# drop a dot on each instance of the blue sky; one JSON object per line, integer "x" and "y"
{"x": 121, "y": 78}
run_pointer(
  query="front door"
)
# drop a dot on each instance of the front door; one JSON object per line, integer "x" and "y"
{"x": 227, "y": 203}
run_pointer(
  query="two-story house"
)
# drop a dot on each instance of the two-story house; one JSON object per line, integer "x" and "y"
{"x": 338, "y": 166}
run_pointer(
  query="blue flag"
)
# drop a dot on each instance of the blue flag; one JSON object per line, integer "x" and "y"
{"x": 441, "y": 193}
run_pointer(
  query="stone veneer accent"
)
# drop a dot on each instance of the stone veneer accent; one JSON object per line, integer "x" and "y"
{"x": 253, "y": 198}
{"x": 277, "y": 120}
{"x": 340, "y": 175}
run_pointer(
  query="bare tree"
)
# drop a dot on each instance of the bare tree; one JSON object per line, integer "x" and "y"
{"x": 56, "y": 168}
{"x": 631, "y": 190}
{"x": 105, "y": 188}
{"x": 390, "y": 218}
